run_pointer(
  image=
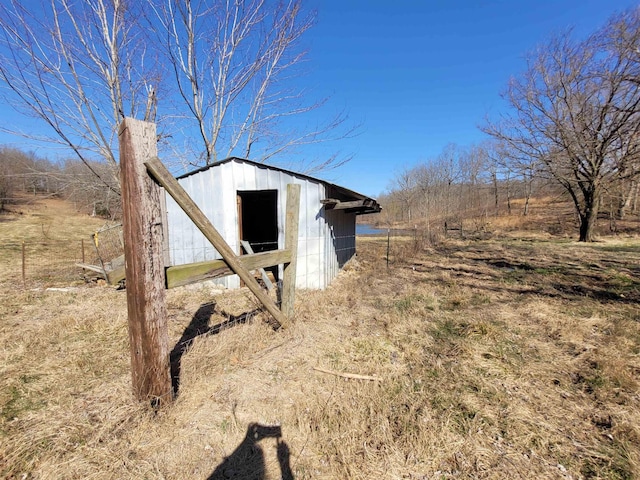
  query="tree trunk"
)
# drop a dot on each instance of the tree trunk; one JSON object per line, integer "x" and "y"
{"x": 508, "y": 185}
{"x": 625, "y": 200}
{"x": 588, "y": 217}
{"x": 494, "y": 179}
{"x": 528, "y": 188}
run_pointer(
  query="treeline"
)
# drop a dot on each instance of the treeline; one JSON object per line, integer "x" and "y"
{"x": 474, "y": 183}
{"x": 92, "y": 188}
{"x": 572, "y": 123}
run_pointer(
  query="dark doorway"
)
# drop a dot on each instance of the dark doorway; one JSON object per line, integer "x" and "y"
{"x": 258, "y": 219}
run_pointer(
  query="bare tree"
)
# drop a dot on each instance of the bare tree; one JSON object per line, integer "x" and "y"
{"x": 404, "y": 186}
{"x": 472, "y": 167}
{"x": 499, "y": 174}
{"x": 514, "y": 168}
{"x": 11, "y": 175}
{"x": 77, "y": 66}
{"x": 81, "y": 66}
{"x": 232, "y": 62}
{"x": 575, "y": 111}
{"x": 27, "y": 173}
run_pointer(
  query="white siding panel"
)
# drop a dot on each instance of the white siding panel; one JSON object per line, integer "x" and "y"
{"x": 326, "y": 238}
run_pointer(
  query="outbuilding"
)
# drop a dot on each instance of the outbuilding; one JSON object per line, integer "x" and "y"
{"x": 246, "y": 200}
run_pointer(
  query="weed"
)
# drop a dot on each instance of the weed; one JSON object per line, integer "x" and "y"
{"x": 620, "y": 248}
{"x": 551, "y": 270}
{"x": 22, "y": 399}
{"x": 415, "y": 302}
{"x": 449, "y": 330}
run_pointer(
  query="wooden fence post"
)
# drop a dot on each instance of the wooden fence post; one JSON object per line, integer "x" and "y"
{"x": 388, "y": 244}
{"x": 143, "y": 241}
{"x": 291, "y": 244}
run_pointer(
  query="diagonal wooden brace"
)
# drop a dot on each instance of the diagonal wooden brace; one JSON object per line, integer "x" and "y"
{"x": 171, "y": 185}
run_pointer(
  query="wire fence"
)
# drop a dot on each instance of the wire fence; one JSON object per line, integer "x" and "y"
{"x": 109, "y": 246}
{"x": 47, "y": 263}
{"x": 53, "y": 263}
{"x": 57, "y": 262}
{"x": 395, "y": 245}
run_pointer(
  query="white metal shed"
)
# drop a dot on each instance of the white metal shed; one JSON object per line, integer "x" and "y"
{"x": 245, "y": 200}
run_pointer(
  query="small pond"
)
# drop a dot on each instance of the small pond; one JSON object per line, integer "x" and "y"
{"x": 366, "y": 229}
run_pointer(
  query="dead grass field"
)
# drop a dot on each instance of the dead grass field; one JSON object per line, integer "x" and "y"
{"x": 499, "y": 358}
{"x": 52, "y": 231}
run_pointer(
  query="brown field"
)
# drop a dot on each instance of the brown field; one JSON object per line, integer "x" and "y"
{"x": 508, "y": 357}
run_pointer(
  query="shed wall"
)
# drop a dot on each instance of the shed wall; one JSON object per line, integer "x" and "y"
{"x": 326, "y": 239}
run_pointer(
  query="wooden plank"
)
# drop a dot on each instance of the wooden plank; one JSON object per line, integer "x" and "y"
{"x": 116, "y": 276}
{"x": 331, "y": 204}
{"x": 93, "y": 268}
{"x": 146, "y": 295}
{"x": 171, "y": 185}
{"x": 291, "y": 244}
{"x": 180, "y": 275}
{"x": 247, "y": 246}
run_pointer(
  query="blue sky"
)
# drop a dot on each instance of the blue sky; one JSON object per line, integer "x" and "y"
{"x": 422, "y": 74}
{"x": 417, "y": 74}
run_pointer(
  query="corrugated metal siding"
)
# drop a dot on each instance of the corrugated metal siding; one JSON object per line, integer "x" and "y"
{"x": 326, "y": 239}
{"x": 340, "y": 240}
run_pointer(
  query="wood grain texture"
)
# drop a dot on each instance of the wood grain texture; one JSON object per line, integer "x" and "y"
{"x": 143, "y": 241}
{"x": 291, "y": 244}
{"x": 171, "y": 185}
{"x": 180, "y": 275}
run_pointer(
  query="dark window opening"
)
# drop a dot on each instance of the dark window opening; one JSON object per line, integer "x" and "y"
{"x": 258, "y": 219}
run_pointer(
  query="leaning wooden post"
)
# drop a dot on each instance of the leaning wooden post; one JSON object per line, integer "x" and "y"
{"x": 143, "y": 240}
{"x": 173, "y": 188}
{"x": 291, "y": 244}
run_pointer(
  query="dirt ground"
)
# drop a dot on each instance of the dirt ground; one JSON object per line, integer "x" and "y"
{"x": 507, "y": 357}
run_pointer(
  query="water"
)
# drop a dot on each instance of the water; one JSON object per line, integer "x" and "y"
{"x": 365, "y": 229}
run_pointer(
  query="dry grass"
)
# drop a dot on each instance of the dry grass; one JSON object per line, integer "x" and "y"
{"x": 498, "y": 359}
{"x": 52, "y": 232}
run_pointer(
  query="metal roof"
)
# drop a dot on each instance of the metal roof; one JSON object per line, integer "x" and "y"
{"x": 372, "y": 205}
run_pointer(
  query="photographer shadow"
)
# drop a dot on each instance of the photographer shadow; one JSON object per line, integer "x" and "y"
{"x": 247, "y": 462}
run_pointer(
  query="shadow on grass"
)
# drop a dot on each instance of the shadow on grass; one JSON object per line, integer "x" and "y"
{"x": 567, "y": 274}
{"x": 247, "y": 462}
{"x": 199, "y": 326}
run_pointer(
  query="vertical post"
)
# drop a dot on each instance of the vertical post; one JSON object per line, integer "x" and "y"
{"x": 82, "y": 247}
{"x": 24, "y": 269}
{"x": 291, "y": 244}
{"x": 428, "y": 232}
{"x": 143, "y": 241}
{"x": 388, "y": 244}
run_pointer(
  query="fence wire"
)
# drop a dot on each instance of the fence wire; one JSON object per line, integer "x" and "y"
{"x": 51, "y": 263}
{"x": 46, "y": 263}
{"x": 55, "y": 263}
{"x": 109, "y": 245}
